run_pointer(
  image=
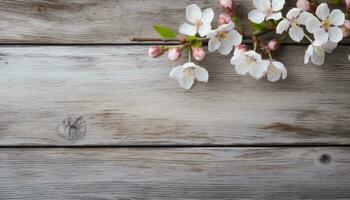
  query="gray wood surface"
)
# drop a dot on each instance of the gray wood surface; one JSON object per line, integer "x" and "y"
{"x": 175, "y": 173}
{"x": 126, "y": 98}
{"x": 97, "y": 21}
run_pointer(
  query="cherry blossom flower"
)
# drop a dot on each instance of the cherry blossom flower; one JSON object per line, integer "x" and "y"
{"x": 266, "y": 10}
{"x": 186, "y": 74}
{"x": 295, "y": 18}
{"x": 198, "y": 21}
{"x": 250, "y": 62}
{"x": 328, "y": 29}
{"x": 317, "y": 52}
{"x": 224, "y": 38}
{"x": 275, "y": 71}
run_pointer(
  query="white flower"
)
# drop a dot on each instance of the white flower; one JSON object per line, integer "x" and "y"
{"x": 224, "y": 38}
{"x": 264, "y": 10}
{"x": 295, "y": 18}
{"x": 317, "y": 52}
{"x": 276, "y": 71}
{"x": 250, "y": 62}
{"x": 186, "y": 74}
{"x": 199, "y": 22}
{"x": 329, "y": 27}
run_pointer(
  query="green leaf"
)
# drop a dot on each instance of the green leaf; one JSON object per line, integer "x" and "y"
{"x": 194, "y": 41}
{"x": 258, "y": 28}
{"x": 164, "y": 32}
{"x": 335, "y": 2}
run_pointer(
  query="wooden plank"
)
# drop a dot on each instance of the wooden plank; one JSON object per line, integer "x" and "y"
{"x": 126, "y": 98}
{"x": 219, "y": 173}
{"x": 96, "y": 21}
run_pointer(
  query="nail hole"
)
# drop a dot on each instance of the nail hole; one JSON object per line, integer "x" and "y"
{"x": 73, "y": 128}
{"x": 325, "y": 159}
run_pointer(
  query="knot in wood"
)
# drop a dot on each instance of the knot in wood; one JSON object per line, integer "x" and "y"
{"x": 73, "y": 129}
{"x": 325, "y": 159}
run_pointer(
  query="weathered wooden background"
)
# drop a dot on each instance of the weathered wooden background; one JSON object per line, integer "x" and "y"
{"x": 134, "y": 134}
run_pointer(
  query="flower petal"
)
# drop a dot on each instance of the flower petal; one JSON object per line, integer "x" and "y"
{"x": 282, "y": 26}
{"x": 256, "y": 16}
{"x": 186, "y": 81}
{"x": 225, "y": 48}
{"x": 204, "y": 30}
{"x": 293, "y": 13}
{"x": 207, "y": 16}
{"x": 277, "y": 5}
{"x": 253, "y": 55}
{"x": 176, "y": 72}
{"x": 226, "y": 27}
{"x": 281, "y": 67}
{"x": 321, "y": 36}
{"x": 273, "y": 74}
{"x": 262, "y": 5}
{"x": 242, "y": 69}
{"x": 313, "y": 24}
{"x": 329, "y": 46}
{"x": 275, "y": 16}
{"x": 193, "y": 13}
{"x": 308, "y": 54}
{"x": 303, "y": 17}
{"x": 296, "y": 33}
{"x": 322, "y": 11}
{"x": 214, "y": 44}
{"x": 188, "y": 29}
{"x": 258, "y": 69}
{"x": 318, "y": 57}
{"x": 337, "y": 17}
{"x": 335, "y": 34}
{"x": 234, "y": 38}
{"x": 201, "y": 74}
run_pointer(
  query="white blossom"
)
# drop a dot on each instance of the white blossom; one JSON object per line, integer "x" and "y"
{"x": 276, "y": 71}
{"x": 317, "y": 52}
{"x": 328, "y": 29}
{"x": 250, "y": 62}
{"x": 266, "y": 10}
{"x": 295, "y": 18}
{"x": 199, "y": 22}
{"x": 186, "y": 74}
{"x": 224, "y": 38}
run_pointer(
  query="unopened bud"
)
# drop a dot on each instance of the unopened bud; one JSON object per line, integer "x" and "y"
{"x": 198, "y": 53}
{"x": 155, "y": 51}
{"x": 174, "y": 54}
{"x": 274, "y": 45}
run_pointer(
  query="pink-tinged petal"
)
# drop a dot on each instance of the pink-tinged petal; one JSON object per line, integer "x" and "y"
{"x": 335, "y": 34}
{"x": 322, "y": 11}
{"x": 303, "y": 17}
{"x": 201, "y": 74}
{"x": 214, "y": 44}
{"x": 293, "y": 13}
{"x": 308, "y": 54}
{"x": 281, "y": 67}
{"x": 193, "y": 13}
{"x": 256, "y": 16}
{"x": 188, "y": 29}
{"x": 321, "y": 36}
{"x": 337, "y": 17}
{"x": 277, "y": 5}
{"x": 176, "y": 72}
{"x": 186, "y": 81}
{"x": 329, "y": 46}
{"x": 313, "y": 24}
{"x": 207, "y": 16}
{"x": 204, "y": 30}
{"x": 282, "y": 26}
{"x": 262, "y": 5}
{"x": 296, "y": 33}
{"x": 275, "y": 16}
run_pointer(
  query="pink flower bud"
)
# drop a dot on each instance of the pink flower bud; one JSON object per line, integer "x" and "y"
{"x": 224, "y": 19}
{"x": 346, "y": 28}
{"x": 347, "y": 3}
{"x": 227, "y": 5}
{"x": 198, "y": 53}
{"x": 174, "y": 54}
{"x": 155, "y": 51}
{"x": 274, "y": 45}
{"x": 240, "y": 49}
{"x": 304, "y": 5}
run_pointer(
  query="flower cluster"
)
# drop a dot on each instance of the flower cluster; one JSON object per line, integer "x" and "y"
{"x": 308, "y": 21}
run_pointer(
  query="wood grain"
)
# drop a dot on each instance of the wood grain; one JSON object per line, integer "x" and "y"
{"x": 175, "y": 173}
{"x": 97, "y": 21}
{"x": 123, "y": 97}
